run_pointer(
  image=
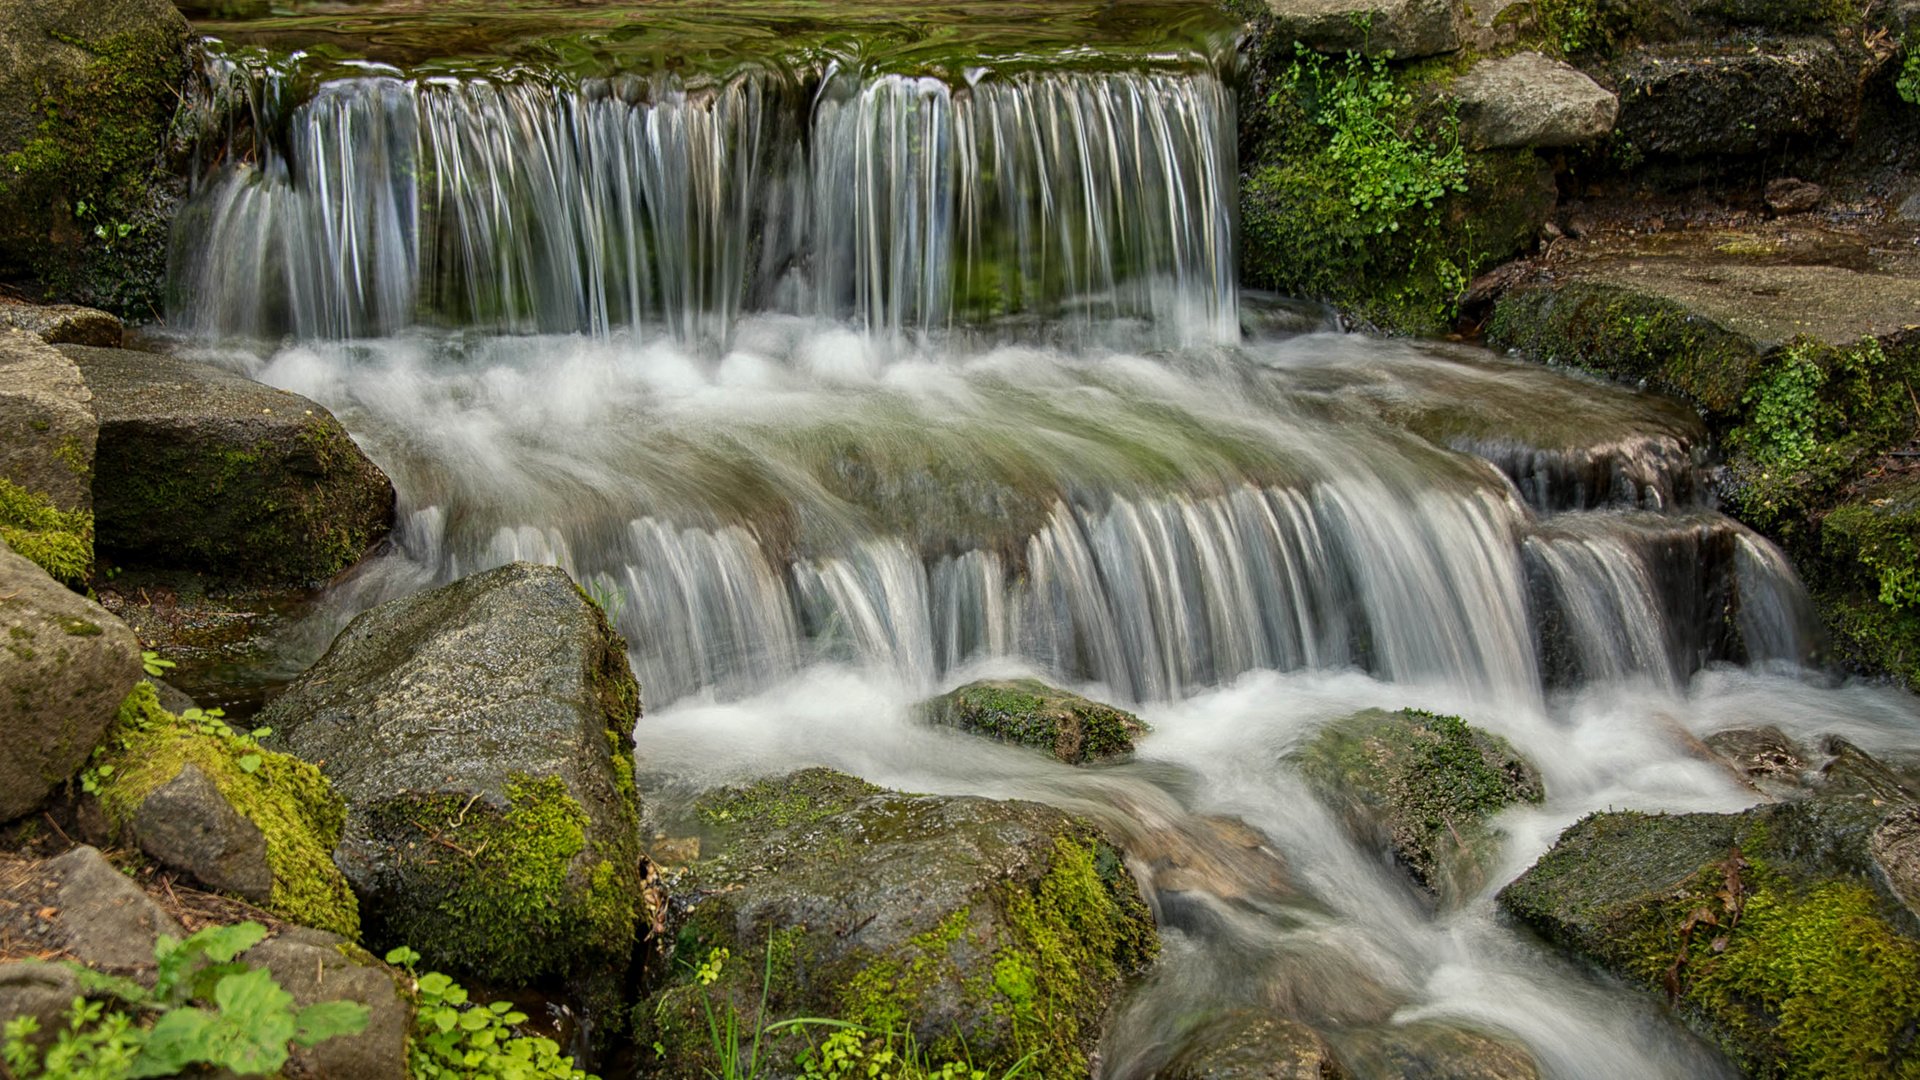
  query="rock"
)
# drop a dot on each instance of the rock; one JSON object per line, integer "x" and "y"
{"x": 1896, "y": 854}
{"x": 202, "y": 469}
{"x": 1529, "y": 100}
{"x": 236, "y": 815}
{"x": 1028, "y": 712}
{"x": 481, "y": 735}
{"x": 316, "y": 966}
{"x": 40, "y": 990}
{"x": 988, "y": 930}
{"x": 1429, "y": 1049}
{"x": 1408, "y": 29}
{"x": 1422, "y": 787}
{"x": 188, "y": 825}
{"x": 1692, "y": 100}
{"x": 1791, "y": 196}
{"x": 104, "y": 920}
{"x": 1254, "y": 1046}
{"x": 87, "y": 90}
{"x": 62, "y": 324}
{"x": 47, "y": 429}
{"x": 65, "y": 667}
{"x": 1218, "y": 856}
{"x": 1765, "y": 758}
{"x": 1769, "y": 928}
{"x": 1850, "y": 770}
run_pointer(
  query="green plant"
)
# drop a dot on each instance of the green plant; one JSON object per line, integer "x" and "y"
{"x": 1572, "y": 25}
{"x": 155, "y": 666}
{"x": 58, "y": 541}
{"x": 205, "y": 1009}
{"x": 1908, "y": 84}
{"x": 457, "y": 1038}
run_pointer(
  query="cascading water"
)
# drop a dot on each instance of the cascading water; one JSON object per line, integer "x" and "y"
{"x": 832, "y": 382}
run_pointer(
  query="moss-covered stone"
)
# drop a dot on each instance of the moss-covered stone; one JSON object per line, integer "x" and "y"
{"x": 59, "y": 541}
{"x": 1768, "y": 929}
{"x": 1028, "y": 712}
{"x": 989, "y": 932}
{"x": 1425, "y": 787}
{"x": 287, "y": 799}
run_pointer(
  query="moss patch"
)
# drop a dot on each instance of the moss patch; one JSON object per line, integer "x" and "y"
{"x": 59, "y": 541}
{"x": 287, "y": 799}
{"x": 1028, "y": 712}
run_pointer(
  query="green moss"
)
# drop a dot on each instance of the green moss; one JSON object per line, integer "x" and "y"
{"x": 1028, "y": 712}
{"x": 1787, "y": 15}
{"x": 287, "y": 799}
{"x": 802, "y": 798}
{"x": 500, "y": 893}
{"x": 59, "y": 541}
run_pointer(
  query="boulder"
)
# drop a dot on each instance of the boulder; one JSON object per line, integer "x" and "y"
{"x": 217, "y": 805}
{"x": 1529, "y": 100}
{"x": 1896, "y": 854}
{"x": 316, "y": 966}
{"x": 1423, "y": 788}
{"x": 1789, "y": 195}
{"x": 100, "y": 917}
{"x": 1028, "y": 712}
{"x": 1694, "y": 100}
{"x": 986, "y": 930}
{"x": 65, "y": 667}
{"x": 87, "y": 90}
{"x": 482, "y": 737}
{"x": 1769, "y": 929}
{"x": 40, "y": 990}
{"x": 62, "y": 324}
{"x": 1431, "y": 1049}
{"x": 1772, "y": 763}
{"x": 1405, "y": 28}
{"x": 47, "y": 437}
{"x": 1255, "y": 1046}
{"x": 202, "y": 469}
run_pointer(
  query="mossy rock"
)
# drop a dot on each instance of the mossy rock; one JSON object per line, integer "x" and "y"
{"x": 1769, "y": 929}
{"x": 1867, "y": 577}
{"x": 200, "y": 469}
{"x": 482, "y": 737}
{"x": 1423, "y": 787}
{"x": 1028, "y": 712}
{"x": 47, "y": 437}
{"x": 992, "y": 932}
{"x": 288, "y": 800}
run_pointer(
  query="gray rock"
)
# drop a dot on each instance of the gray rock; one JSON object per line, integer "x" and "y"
{"x": 202, "y": 469}
{"x": 188, "y": 825}
{"x": 1850, "y": 770}
{"x": 47, "y": 428}
{"x": 1430, "y": 1049}
{"x": 1896, "y": 853}
{"x": 316, "y": 966}
{"x": 65, "y": 666}
{"x": 445, "y": 720}
{"x": 1529, "y": 100}
{"x": 1028, "y": 712}
{"x": 106, "y": 921}
{"x": 1788, "y": 195}
{"x": 1405, "y": 28}
{"x": 62, "y": 324}
{"x": 40, "y": 990}
{"x": 1255, "y": 1046}
{"x": 1691, "y": 100}
{"x": 1765, "y": 758}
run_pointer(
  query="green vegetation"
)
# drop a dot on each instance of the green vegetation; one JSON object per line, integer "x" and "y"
{"x": 59, "y": 541}
{"x": 457, "y": 1038}
{"x": 1907, "y": 85}
{"x": 205, "y": 1009}
{"x": 1028, "y": 712}
{"x": 286, "y": 798}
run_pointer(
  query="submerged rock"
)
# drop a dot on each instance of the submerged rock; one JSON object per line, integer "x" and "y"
{"x": 987, "y": 930}
{"x": 1769, "y": 929}
{"x": 482, "y": 737}
{"x": 1766, "y": 758}
{"x": 1255, "y": 1046}
{"x": 65, "y": 666}
{"x": 202, "y": 469}
{"x": 1423, "y": 787}
{"x": 1431, "y": 1049}
{"x": 1028, "y": 712}
{"x": 1529, "y": 100}
{"x": 1405, "y": 28}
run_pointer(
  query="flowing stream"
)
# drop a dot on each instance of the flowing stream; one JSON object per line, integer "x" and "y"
{"x": 842, "y": 376}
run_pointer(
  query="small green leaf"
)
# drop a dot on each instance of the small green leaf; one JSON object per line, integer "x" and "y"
{"x": 249, "y": 763}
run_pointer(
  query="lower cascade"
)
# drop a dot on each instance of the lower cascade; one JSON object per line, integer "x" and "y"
{"x": 703, "y": 541}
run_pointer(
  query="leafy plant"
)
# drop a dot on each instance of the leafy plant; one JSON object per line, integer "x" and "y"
{"x": 456, "y": 1037}
{"x": 1908, "y": 84}
{"x": 206, "y": 1009}
{"x": 155, "y": 666}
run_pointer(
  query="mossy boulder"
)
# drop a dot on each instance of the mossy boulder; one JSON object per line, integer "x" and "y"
{"x": 991, "y": 932}
{"x": 482, "y": 737}
{"x": 47, "y": 438}
{"x": 1403, "y": 28}
{"x": 1694, "y": 100}
{"x": 65, "y": 665}
{"x": 1028, "y": 712}
{"x": 1424, "y": 788}
{"x": 201, "y": 469}
{"x": 88, "y": 90}
{"x": 173, "y": 784}
{"x": 1769, "y": 930}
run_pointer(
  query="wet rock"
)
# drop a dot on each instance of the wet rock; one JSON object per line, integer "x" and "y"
{"x": 987, "y": 929}
{"x": 1218, "y": 856}
{"x": 1529, "y": 100}
{"x": 1792, "y": 196}
{"x": 1769, "y": 928}
{"x": 1691, "y": 100}
{"x": 201, "y": 469}
{"x": 41, "y": 990}
{"x": 316, "y": 966}
{"x": 1424, "y": 788}
{"x": 188, "y": 825}
{"x": 1028, "y": 712}
{"x": 1850, "y": 770}
{"x": 1764, "y": 757}
{"x": 1428, "y": 1049}
{"x": 65, "y": 666}
{"x": 1896, "y": 853}
{"x": 47, "y": 429}
{"x": 481, "y": 735}
{"x": 102, "y": 919}
{"x": 62, "y": 324}
{"x": 1405, "y": 28}
{"x": 1255, "y": 1046}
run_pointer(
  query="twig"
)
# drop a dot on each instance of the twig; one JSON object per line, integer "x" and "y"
{"x": 56, "y": 826}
